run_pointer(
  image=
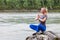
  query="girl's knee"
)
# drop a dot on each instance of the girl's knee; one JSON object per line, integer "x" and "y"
{"x": 31, "y": 25}
{"x": 34, "y": 27}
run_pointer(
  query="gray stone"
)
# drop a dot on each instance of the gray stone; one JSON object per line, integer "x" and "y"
{"x": 48, "y": 35}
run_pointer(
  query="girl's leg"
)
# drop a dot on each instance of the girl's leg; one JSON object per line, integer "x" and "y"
{"x": 34, "y": 27}
{"x": 42, "y": 27}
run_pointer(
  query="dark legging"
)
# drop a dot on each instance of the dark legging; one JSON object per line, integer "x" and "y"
{"x": 38, "y": 28}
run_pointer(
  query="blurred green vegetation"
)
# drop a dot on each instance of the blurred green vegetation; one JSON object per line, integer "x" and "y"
{"x": 29, "y": 4}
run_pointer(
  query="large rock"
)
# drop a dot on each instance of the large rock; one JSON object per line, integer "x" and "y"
{"x": 48, "y": 35}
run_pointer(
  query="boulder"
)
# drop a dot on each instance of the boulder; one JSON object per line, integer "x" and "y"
{"x": 48, "y": 35}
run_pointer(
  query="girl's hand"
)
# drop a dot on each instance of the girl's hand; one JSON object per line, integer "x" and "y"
{"x": 37, "y": 17}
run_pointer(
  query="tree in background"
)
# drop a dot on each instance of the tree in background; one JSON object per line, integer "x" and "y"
{"x": 29, "y": 4}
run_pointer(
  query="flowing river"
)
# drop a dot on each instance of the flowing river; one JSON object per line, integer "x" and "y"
{"x": 15, "y": 25}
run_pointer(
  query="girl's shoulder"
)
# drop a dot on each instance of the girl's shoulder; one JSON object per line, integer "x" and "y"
{"x": 43, "y": 16}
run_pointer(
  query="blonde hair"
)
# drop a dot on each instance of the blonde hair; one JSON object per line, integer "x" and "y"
{"x": 44, "y": 10}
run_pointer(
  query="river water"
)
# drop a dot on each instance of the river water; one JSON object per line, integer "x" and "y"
{"x": 15, "y": 26}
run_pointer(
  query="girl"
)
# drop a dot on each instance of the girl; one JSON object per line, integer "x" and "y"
{"x": 42, "y": 21}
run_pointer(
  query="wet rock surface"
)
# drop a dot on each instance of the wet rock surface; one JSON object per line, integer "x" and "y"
{"x": 48, "y": 35}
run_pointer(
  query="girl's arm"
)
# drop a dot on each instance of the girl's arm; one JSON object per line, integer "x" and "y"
{"x": 43, "y": 20}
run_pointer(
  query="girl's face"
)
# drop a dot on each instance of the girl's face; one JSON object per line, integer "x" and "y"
{"x": 43, "y": 10}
